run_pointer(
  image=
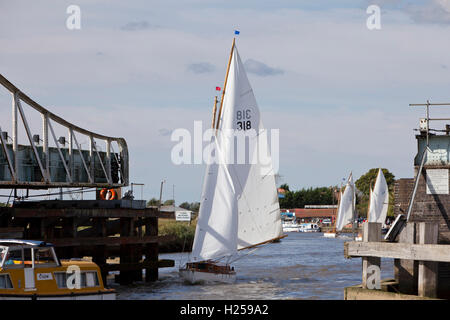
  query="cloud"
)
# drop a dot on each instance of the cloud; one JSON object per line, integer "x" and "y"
{"x": 164, "y": 132}
{"x": 136, "y": 26}
{"x": 202, "y": 67}
{"x": 433, "y": 12}
{"x": 261, "y": 69}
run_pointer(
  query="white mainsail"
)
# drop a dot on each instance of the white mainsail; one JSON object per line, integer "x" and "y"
{"x": 239, "y": 205}
{"x": 346, "y": 205}
{"x": 379, "y": 200}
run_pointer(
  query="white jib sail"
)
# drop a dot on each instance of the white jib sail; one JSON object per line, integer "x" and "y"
{"x": 240, "y": 193}
{"x": 346, "y": 205}
{"x": 379, "y": 200}
{"x": 215, "y": 234}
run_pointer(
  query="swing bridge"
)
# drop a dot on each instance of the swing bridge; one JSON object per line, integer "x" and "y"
{"x": 40, "y": 150}
{"x": 31, "y": 158}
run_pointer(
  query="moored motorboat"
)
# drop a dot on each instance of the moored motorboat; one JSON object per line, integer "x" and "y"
{"x": 30, "y": 270}
{"x": 291, "y": 226}
{"x": 309, "y": 227}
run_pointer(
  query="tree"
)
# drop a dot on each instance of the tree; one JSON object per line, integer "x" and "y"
{"x": 285, "y": 186}
{"x": 368, "y": 179}
{"x": 185, "y": 205}
{"x": 365, "y": 182}
{"x": 310, "y": 196}
{"x": 152, "y": 202}
{"x": 169, "y": 203}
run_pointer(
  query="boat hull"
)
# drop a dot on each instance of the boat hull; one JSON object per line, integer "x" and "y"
{"x": 329, "y": 235}
{"x": 291, "y": 229}
{"x": 195, "y": 276}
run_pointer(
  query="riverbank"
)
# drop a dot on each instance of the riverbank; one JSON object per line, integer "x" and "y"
{"x": 182, "y": 233}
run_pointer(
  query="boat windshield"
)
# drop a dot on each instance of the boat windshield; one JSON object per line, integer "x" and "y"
{"x": 44, "y": 256}
{"x": 2, "y": 255}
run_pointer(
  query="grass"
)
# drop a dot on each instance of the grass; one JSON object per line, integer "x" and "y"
{"x": 183, "y": 232}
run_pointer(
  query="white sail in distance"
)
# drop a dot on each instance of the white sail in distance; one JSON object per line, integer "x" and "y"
{"x": 346, "y": 205}
{"x": 379, "y": 200}
{"x": 239, "y": 205}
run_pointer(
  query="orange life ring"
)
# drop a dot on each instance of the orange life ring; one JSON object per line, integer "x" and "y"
{"x": 104, "y": 191}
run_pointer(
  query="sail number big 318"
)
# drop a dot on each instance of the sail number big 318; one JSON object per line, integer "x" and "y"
{"x": 243, "y": 119}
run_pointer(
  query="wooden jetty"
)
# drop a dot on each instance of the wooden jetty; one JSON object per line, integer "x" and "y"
{"x": 101, "y": 229}
{"x": 421, "y": 250}
{"x": 419, "y": 264}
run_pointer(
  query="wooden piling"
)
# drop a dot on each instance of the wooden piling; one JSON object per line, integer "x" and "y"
{"x": 99, "y": 229}
{"x": 428, "y": 270}
{"x": 371, "y": 233}
{"x": 405, "y": 271}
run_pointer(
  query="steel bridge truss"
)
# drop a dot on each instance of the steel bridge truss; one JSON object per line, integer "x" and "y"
{"x": 34, "y": 166}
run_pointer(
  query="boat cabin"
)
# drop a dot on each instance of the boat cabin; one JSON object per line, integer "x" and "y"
{"x": 31, "y": 269}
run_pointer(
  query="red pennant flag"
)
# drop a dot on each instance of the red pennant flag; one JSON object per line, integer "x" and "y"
{"x": 217, "y": 88}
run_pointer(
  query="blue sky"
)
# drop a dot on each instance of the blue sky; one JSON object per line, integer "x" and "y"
{"x": 338, "y": 92}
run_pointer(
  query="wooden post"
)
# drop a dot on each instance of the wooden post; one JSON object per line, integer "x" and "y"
{"x": 99, "y": 252}
{"x": 406, "y": 270}
{"x": 126, "y": 252}
{"x": 428, "y": 270}
{"x": 371, "y": 277}
{"x": 151, "y": 249}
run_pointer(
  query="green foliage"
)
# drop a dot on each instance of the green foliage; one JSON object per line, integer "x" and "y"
{"x": 168, "y": 202}
{"x": 368, "y": 179}
{"x": 193, "y": 206}
{"x": 310, "y": 196}
{"x": 182, "y": 232}
{"x": 364, "y": 183}
{"x": 152, "y": 202}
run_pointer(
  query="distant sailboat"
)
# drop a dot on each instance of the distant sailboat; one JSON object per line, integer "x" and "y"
{"x": 346, "y": 208}
{"x": 379, "y": 200}
{"x": 239, "y": 204}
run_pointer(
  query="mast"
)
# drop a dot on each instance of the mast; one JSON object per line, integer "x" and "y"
{"x": 214, "y": 112}
{"x": 370, "y": 199}
{"x": 225, "y": 83}
{"x": 353, "y": 208}
{"x": 339, "y": 203}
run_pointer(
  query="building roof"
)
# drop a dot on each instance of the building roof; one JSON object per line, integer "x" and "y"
{"x": 172, "y": 208}
{"x": 312, "y": 213}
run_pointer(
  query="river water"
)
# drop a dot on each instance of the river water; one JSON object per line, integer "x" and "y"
{"x": 300, "y": 266}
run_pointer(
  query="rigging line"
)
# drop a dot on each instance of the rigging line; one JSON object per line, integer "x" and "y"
{"x": 244, "y": 255}
{"x": 9, "y": 198}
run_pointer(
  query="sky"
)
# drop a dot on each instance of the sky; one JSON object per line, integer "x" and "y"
{"x": 337, "y": 91}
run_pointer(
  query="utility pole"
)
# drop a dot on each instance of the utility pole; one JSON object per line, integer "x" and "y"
{"x": 160, "y": 194}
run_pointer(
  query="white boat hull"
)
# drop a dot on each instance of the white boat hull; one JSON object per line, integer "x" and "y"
{"x": 194, "y": 276}
{"x": 291, "y": 229}
{"x": 329, "y": 235}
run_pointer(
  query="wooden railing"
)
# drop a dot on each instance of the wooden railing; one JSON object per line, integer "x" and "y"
{"x": 417, "y": 242}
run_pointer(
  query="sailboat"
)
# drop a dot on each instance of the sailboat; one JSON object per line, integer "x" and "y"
{"x": 346, "y": 208}
{"x": 379, "y": 200}
{"x": 239, "y": 206}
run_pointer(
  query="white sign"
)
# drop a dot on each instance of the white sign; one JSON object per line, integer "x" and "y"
{"x": 44, "y": 276}
{"x": 437, "y": 181}
{"x": 183, "y": 215}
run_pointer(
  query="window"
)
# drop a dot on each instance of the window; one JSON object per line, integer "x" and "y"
{"x": 13, "y": 259}
{"x": 5, "y": 282}
{"x": 88, "y": 279}
{"x": 43, "y": 256}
